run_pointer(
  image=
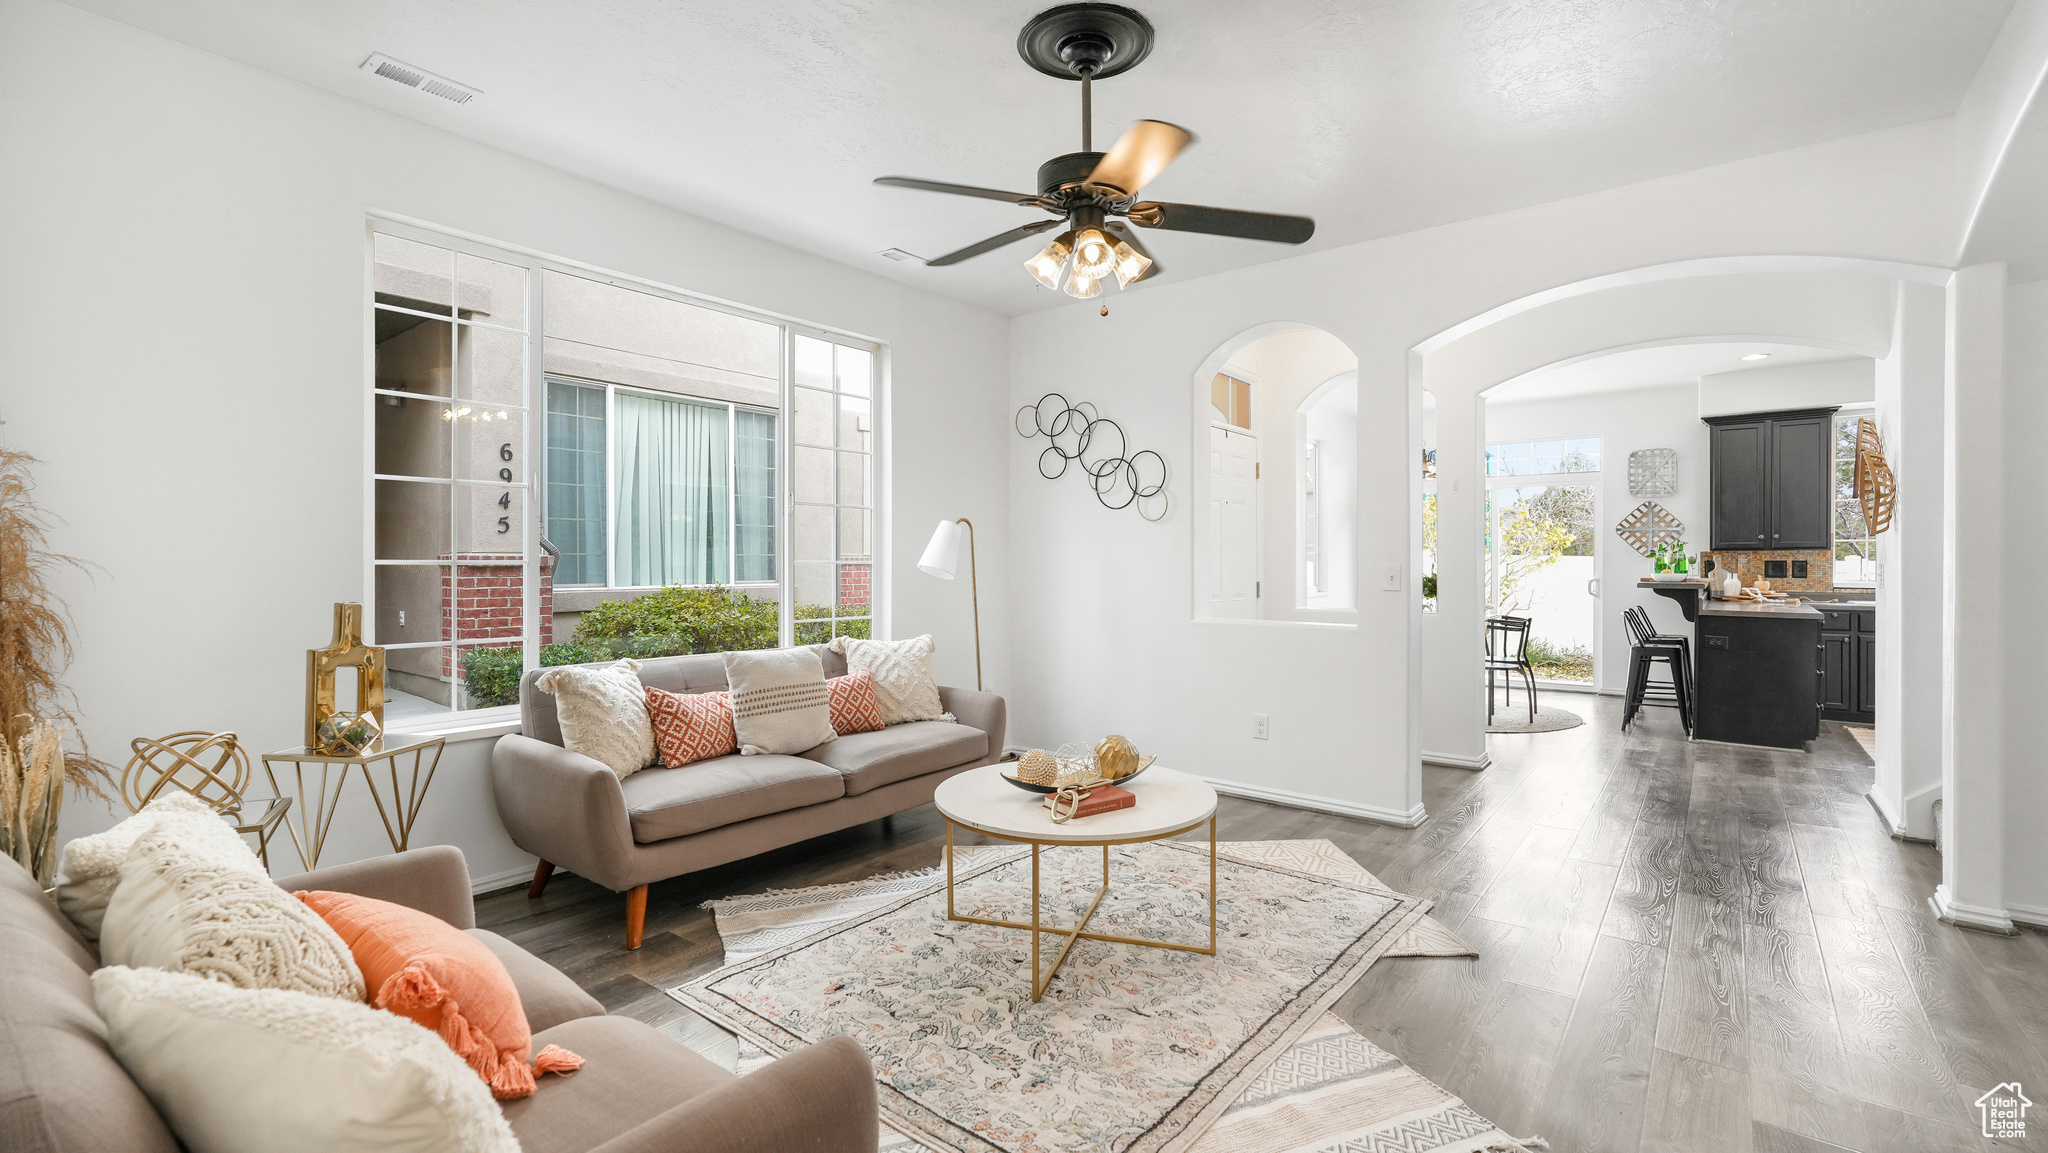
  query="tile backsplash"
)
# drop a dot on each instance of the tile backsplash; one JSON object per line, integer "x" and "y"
{"x": 1820, "y": 568}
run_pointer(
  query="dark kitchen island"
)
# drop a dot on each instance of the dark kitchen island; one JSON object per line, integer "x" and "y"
{"x": 1758, "y": 675}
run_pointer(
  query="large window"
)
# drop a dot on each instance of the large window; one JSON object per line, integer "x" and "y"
{"x": 1855, "y": 548}
{"x": 678, "y": 445}
{"x": 1541, "y": 536}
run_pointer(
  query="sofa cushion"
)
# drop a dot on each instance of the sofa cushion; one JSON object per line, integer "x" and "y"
{"x": 547, "y": 994}
{"x": 665, "y": 803}
{"x": 899, "y": 752}
{"x": 631, "y": 1073}
{"x": 60, "y": 1086}
{"x": 696, "y": 673}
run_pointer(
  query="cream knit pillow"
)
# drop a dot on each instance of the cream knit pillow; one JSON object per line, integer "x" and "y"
{"x": 902, "y": 672}
{"x": 92, "y": 865}
{"x": 210, "y": 915}
{"x": 779, "y": 700}
{"x": 260, "y": 1070}
{"x": 603, "y": 712}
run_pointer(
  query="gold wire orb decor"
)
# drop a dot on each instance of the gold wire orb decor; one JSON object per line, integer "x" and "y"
{"x": 1875, "y": 487}
{"x": 210, "y": 766}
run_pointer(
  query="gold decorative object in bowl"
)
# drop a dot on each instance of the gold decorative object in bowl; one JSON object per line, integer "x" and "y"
{"x": 1038, "y": 767}
{"x": 1076, "y": 766}
{"x": 1116, "y": 758}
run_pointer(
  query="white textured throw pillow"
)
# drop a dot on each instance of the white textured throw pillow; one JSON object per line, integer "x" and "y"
{"x": 260, "y": 1070}
{"x": 207, "y": 914}
{"x": 779, "y": 700}
{"x": 92, "y": 865}
{"x": 603, "y": 712}
{"x": 902, "y": 672}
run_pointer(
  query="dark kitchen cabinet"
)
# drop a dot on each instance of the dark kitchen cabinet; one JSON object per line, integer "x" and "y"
{"x": 1772, "y": 478}
{"x": 1848, "y": 665}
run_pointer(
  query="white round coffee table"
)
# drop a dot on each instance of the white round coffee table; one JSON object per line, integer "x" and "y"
{"x": 1169, "y": 803}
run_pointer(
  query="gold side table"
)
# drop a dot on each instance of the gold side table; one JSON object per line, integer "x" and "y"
{"x": 1169, "y": 804}
{"x": 318, "y": 779}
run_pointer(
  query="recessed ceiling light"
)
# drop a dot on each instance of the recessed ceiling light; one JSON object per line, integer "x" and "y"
{"x": 1758, "y": 356}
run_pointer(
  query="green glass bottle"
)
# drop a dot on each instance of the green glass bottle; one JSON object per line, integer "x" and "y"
{"x": 1663, "y": 558}
{"x": 1679, "y": 563}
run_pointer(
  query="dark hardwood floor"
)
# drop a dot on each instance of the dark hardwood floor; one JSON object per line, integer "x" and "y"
{"x": 1682, "y": 946}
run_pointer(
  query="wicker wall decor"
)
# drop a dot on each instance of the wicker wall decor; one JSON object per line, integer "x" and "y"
{"x": 1653, "y": 472}
{"x": 1080, "y": 433}
{"x": 1874, "y": 484}
{"x": 1648, "y": 525}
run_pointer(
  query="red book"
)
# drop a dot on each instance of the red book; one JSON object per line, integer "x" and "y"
{"x": 1101, "y": 799}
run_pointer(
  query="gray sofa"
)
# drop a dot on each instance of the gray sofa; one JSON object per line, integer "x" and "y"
{"x": 573, "y": 813}
{"x": 62, "y": 1091}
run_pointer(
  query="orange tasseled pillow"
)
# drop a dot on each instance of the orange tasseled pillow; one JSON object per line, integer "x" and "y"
{"x": 423, "y": 968}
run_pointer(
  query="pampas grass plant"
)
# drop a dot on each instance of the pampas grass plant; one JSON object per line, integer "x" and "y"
{"x": 35, "y": 649}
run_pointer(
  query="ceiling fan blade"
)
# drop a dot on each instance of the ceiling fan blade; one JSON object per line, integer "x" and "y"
{"x": 994, "y": 242}
{"x": 1125, "y": 233}
{"x": 1140, "y": 154}
{"x": 1223, "y": 222}
{"x": 1025, "y": 198}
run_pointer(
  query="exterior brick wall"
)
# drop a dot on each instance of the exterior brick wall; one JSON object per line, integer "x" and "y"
{"x": 854, "y": 587}
{"x": 487, "y": 600}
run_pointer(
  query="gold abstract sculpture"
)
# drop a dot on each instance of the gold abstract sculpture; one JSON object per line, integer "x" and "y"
{"x": 1874, "y": 484}
{"x": 329, "y": 730}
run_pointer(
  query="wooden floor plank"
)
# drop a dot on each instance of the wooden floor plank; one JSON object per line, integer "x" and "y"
{"x": 1648, "y": 884}
{"x": 1892, "y": 1055}
{"x": 1598, "y": 1095}
{"x": 1705, "y": 1010}
{"x": 1696, "y": 1104}
{"x": 1831, "y": 873}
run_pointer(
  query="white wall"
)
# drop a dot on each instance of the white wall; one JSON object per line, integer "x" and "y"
{"x": 1096, "y": 591}
{"x": 1654, "y": 416}
{"x": 1332, "y": 418}
{"x": 182, "y": 327}
{"x": 2026, "y": 558}
{"x": 1830, "y": 383}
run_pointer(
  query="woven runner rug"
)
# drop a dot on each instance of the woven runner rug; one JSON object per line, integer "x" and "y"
{"x": 1132, "y": 1048}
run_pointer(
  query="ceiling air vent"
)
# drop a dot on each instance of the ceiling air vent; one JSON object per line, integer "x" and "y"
{"x": 397, "y": 70}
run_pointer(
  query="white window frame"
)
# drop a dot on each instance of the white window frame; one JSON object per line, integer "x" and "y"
{"x": 533, "y": 524}
{"x": 1846, "y": 412}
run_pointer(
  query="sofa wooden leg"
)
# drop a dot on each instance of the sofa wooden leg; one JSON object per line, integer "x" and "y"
{"x": 636, "y": 915}
{"x": 541, "y": 873}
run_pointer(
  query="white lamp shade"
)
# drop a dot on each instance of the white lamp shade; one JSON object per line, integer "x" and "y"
{"x": 942, "y": 556}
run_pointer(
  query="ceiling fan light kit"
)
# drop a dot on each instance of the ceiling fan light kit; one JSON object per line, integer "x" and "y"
{"x": 1087, "y": 190}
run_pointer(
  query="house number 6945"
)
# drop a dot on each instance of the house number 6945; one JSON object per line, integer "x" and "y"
{"x": 505, "y": 499}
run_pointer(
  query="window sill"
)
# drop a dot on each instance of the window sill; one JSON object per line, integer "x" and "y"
{"x": 474, "y": 725}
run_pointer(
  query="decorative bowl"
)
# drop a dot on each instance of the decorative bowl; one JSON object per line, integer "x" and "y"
{"x": 1670, "y": 576}
{"x": 1031, "y": 788}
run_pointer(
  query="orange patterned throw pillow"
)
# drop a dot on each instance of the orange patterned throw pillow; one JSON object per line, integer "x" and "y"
{"x": 854, "y": 708}
{"x": 691, "y": 726}
{"x": 423, "y": 968}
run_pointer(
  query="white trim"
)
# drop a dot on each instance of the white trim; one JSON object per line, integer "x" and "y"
{"x": 467, "y": 725}
{"x": 1293, "y": 800}
{"x": 1454, "y": 761}
{"x": 2032, "y": 916}
{"x": 1979, "y": 917}
{"x": 500, "y": 881}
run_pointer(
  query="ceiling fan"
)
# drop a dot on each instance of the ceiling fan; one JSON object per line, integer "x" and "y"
{"x": 1089, "y": 191}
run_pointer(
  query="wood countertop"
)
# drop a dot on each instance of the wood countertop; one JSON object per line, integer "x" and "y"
{"x": 1759, "y": 609}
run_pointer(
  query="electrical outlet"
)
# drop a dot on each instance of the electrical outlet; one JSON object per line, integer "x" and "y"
{"x": 1391, "y": 582}
{"x": 1261, "y": 726}
{"x": 401, "y": 618}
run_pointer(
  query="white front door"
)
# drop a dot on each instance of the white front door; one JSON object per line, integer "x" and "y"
{"x": 1233, "y": 522}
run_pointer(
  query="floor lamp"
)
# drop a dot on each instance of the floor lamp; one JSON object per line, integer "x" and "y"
{"x": 942, "y": 559}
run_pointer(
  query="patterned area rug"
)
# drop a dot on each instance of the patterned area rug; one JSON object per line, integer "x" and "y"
{"x": 1133, "y": 1048}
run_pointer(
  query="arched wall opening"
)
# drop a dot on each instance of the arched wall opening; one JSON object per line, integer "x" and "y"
{"x": 1890, "y": 313}
{"x": 1275, "y": 533}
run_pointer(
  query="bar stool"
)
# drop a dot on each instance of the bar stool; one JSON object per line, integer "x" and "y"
{"x": 1507, "y": 651}
{"x": 1647, "y": 648}
{"x": 1644, "y": 625}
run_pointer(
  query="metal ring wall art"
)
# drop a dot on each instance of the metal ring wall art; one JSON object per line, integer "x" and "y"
{"x": 1080, "y": 434}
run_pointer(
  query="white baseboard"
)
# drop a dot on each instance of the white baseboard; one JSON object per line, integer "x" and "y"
{"x": 2032, "y": 916}
{"x": 1293, "y": 800}
{"x": 1979, "y": 917}
{"x": 1452, "y": 760}
{"x": 503, "y": 880}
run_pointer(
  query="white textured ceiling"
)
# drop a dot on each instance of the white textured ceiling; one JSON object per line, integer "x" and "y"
{"x": 1644, "y": 367}
{"x": 1373, "y": 117}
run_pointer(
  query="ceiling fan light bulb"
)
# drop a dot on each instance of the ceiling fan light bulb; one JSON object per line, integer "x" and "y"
{"x": 1093, "y": 256}
{"x": 1083, "y": 287}
{"x": 1045, "y": 267}
{"x": 1130, "y": 264}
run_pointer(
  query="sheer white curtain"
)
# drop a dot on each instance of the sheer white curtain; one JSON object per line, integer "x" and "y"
{"x": 672, "y": 492}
